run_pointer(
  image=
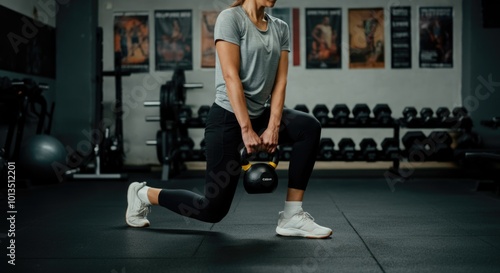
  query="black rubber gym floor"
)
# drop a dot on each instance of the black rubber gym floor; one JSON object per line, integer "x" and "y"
{"x": 423, "y": 226}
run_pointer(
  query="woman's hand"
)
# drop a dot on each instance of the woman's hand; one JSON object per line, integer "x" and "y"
{"x": 251, "y": 140}
{"x": 269, "y": 139}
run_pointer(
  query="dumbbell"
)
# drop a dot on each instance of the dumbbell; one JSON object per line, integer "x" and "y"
{"x": 185, "y": 114}
{"x": 443, "y": 113}
{"x": 492, "y": 123}
{"x": 203, "y": 113}
{"x": 185, "y": 145}
{"x": 460, "y": 111}
{"x": 390, "y": 148}
{"x": 462, "y": 116}
{"x": 440, "y": 145}
{"x": 341, "y": 113}
{"x": 347, "y": 149}
{"x": 426, "y": 114}
{"x": 301, "y": 108}
{"x": 414, "y": 143}
{"x": 368, "y": 148}
{"x": 361, "y": 113}
{"x": 409, "y": 115}
{"x": 326, "y": 151}
{"x": 468, "y": 140}
{"x": 285, "y": 152}
{"x": 320, "y": 112}
{"x": 382, "y": 113}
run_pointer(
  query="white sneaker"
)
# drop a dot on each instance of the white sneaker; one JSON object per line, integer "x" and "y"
{"x": 136, "y": 209}
{"x": 302, "y": 225}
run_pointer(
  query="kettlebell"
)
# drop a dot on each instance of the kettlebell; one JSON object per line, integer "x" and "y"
{"x": 259, "y": 177}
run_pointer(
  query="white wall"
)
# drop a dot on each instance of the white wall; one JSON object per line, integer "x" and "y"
{"x": 399, "y": 88}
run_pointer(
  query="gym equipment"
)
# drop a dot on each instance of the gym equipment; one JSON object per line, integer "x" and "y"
{"x": 302, "y": 108}
{"x": 203, "y": 114}
{"x": 382, "y": 113}
{"x": 167, "y": 152}
{"x": 326, "y": 151}
{"x": 320, "y": 112}
{"x": 38, "y": 158}
{"x": 18, "y": 99}
{"x": 172, "y": 98}
{"x": 361, "y": 113}
{"x": 409, "y": 115}
{"x": 462, "y": 118}
{"x": 440, "y": 146}
{"x": 285, "y": 152}
{"x": 467, "y": 140}
{"x": 340, "y": 113}
{"x": 259, "y": 177}
{"x": 390, "y": 148}
{"x": 186, "y": 145}
{"x": 347, "y": 149}
{"x": 108, "y": 154}
{"x": 368, "y": 148}
{"x": 413, "y": 142}
{"x": 443, "y": 113}
{"x": 426, "y": 114}
{"x": 185, "y": 114}
{"x": 460, "y": 111}
{"x": 492, "y": 123}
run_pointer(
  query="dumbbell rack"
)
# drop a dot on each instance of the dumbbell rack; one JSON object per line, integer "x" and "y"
{"x": 371, "y": 123}
{"x": 454, "y": 123}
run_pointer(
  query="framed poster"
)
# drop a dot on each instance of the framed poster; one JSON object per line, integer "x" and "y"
{"x": 436, "y": 37}
{"x": 173, "y": 39}
{"x": 401, "y": 37}
{"x": 323, "y": 37}
{"x": 366, "y": 38}
{"x": 208, "y": 19}
{"x": 131, "y": 40}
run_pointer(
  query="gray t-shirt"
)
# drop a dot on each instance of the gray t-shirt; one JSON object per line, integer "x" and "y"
{"x": 260, "y": 53}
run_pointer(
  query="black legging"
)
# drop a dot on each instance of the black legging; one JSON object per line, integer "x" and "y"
{"x": 223, "y": 140}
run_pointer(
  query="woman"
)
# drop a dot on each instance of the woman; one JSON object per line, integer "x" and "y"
{"x": 251, "y": 73}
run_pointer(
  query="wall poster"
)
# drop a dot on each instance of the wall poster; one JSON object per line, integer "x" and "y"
{"x": 436, "y": 37}
{"x": 366, "y": 38}
{"x": 173, "y": 39}
{"x": 131, "y": 40}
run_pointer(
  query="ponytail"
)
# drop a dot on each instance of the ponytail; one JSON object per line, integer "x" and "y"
{"x": 237, "y": 3}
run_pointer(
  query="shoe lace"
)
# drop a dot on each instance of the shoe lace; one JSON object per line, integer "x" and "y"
{"x": 144, "y": 210}
{"x": 306, "y": 216}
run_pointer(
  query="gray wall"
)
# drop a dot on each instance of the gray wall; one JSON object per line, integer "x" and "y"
{"x": 398, "y": 88}
{"x": 76, "y": 58}
{"x": 481, "y": 59}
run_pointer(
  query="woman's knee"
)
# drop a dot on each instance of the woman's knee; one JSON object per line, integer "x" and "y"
{"x": 215, "y": 214}
{"x": 311, "y": 125}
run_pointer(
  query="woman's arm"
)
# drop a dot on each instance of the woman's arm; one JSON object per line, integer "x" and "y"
{"x": 229, "y": 58}
{"x": 270, "y": 136}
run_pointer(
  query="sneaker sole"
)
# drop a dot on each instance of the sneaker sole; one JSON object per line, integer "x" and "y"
{"x": 132, "y": 190}
{"x": 300, "y": 233}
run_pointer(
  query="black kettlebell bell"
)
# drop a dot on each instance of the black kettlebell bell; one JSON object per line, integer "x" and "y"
{"x": 259, "y": 177}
